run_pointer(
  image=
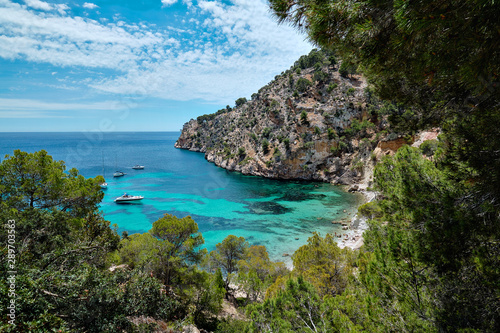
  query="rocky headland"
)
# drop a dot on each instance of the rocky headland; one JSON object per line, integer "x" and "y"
{"x": 315, "y": 121}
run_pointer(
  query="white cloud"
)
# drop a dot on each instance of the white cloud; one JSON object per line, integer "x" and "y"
{"x": 37, "y": 4}
{"x": 239, "y": 49}
{"x": 167, "y": 3}
{"x": 31, "y": 105}
{"x": 89, "y": 5}
{"x": 61, "y": 8}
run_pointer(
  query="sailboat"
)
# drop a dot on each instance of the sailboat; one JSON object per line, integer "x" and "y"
{"x": 118, "y": 173}
{"x": 103, "y": 185}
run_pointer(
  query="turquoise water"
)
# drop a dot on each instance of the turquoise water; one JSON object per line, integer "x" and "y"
{"x": 278, "y": 214}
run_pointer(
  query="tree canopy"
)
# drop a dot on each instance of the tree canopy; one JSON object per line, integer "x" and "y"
{"x": 435, "y": 234}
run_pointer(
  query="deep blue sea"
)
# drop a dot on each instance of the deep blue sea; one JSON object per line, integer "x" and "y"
{"x": 278, "y": 214}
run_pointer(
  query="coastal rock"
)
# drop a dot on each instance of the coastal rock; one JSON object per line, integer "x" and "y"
{"x": 322, "y": 130}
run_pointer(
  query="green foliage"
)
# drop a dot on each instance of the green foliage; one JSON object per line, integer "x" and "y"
{"x": 308, "y": 145}
{"x": 317, "y": 131}
{"x": 314, "y": 57}
{"x": 370, "y": 210}
{"x": 240, "y": 101}
{"x": 331, "y": 133}
{"x": 303, "y": 118}
{"x": 347, "y": 68}
{"x": 176, "y": 245}
{"x": 295, "y": 94}
{"x": 227, "y": 254}
{"x": 331, "y": 87}
{"x": 266, "y": 132}
{"x": 324, "y": 264}
{"x": 286, "y": 141}
{"x": 350, "y": 91}
{"x": 265, "y": 146}
{"x": 302, "y": 84}
{"x": 256, "y": 272}
{"x": 208, "y": 117}
{"x": 320, "y": 76}
{"x": 429, "y": 147}
{"x": 297, "y": 308}
{"x": 241, "y": 151}
{"x": 359, "y": 129}
{"x": 35, "y": 180}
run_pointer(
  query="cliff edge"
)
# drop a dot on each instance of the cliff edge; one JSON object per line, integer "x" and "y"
{"x": 315, "y": 121}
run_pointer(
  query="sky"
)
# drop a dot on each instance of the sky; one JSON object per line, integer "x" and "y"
{"x": 134, "y": 65}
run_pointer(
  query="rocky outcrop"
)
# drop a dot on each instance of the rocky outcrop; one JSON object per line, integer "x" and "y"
{"x": 309, "y": 123}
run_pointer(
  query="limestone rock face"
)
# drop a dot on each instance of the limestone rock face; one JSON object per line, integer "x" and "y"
{"x": 288, "y": 132}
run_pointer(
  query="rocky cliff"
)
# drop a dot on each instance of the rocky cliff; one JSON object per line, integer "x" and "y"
{"x": 315, "y": 121}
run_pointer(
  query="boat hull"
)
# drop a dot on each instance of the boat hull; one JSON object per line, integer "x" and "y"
{"x": 131, "y": 199}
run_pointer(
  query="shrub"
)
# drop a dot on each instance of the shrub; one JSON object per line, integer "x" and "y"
{"x": 429, "y": 147}
{"x": 266, "y": 131}
{"x": 265, "y": 146}
{"x": 331, "y": 133}
{"x": 320, "y": 76}
{"x": 303, "y": 117}
{"x": 331, "y": 87}
{"x": 317, "y": 130}
{"x": 241, "y": 151}
{"x": 308, "y": 145}
{"x": 303, "y": 84}
{"x": 370, "y": 210}
{"x": 240, "y": 101}
{"x": 287, "y": 143}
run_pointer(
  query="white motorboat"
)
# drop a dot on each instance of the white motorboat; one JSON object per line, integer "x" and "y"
{"x": 119, "y": 174}
{"x": 128, "y": 198}
{"x": 138, "y": 167}
{"x": 104, "y": 186}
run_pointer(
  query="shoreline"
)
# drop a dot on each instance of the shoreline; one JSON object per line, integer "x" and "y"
{"x": 357, "y": 226}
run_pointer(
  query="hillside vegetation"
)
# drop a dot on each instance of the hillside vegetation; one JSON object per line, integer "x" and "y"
{"x": 316, "y": 121}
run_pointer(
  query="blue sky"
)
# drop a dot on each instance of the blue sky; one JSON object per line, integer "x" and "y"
{"x": 134, "y": 65}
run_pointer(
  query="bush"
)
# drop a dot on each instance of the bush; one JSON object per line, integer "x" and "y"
{"x": 347, "y": 69}
{"x": 320, "y": 76}
{"x": 331, "y": 87}
{"x": 309, "y": 145}
{"x": 241, "y": 151}
{"x": 287, "y": 143}
{"x": 303, "y": 117}
{"x": 429, "y": 147}
{"x": 331, "y": 133}
{"x": 370, "y": 210}
{"x": 265, "y": 146}
{"x": 303, "y": 84}
{"x": 240, "y": 101}
{"x": 266, "y": 131}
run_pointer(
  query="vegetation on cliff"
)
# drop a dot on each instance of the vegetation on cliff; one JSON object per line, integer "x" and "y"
{"x": 316, "y": 120}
